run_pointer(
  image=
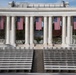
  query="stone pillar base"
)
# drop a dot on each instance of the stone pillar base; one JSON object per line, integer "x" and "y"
{"x": 45, "y": 46}
{"x": 31, "y": 46}
{"x": 14, "y": 45}
{"x": 69, "y": 45}
{"x": 7, "y": 43}
{"x": 63, "y": 45}
{"x": 27, "y": 46}
{"x": 4, "y": 45}
{"x": 50, "y": 45}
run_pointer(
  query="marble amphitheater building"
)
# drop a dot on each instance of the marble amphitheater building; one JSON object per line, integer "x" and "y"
{"x": 38, "y": 25}
{"x": 38, "y": 38}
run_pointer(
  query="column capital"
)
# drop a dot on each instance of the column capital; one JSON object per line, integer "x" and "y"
{"x": 64, "y": 16}
{"x": 69, "y": 16}
{"x": 45, "y": 16}
{"x": 13, "y": 16}
{"x": 27, "y": 16}
{"x": 31, "y": 16}
{"x": 8, "y": 16}
{"x": 50, "y": 16}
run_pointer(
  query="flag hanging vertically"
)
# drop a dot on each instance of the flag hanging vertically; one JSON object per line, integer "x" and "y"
{"x": 2, "y": 18}
{"x": 38, "y": 23}
{"x": 20, "y": 23}
{"x": 74, "y": 20}
{"x": 57, "y": 23}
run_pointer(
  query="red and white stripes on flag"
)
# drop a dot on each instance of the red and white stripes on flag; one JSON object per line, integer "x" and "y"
{"x": 2, "y": 19}
{"x": 74, "y": 20}
{"x": 38, "y": 23}
{"x": 20, "y": 23}
{"x": 57, "y": 23}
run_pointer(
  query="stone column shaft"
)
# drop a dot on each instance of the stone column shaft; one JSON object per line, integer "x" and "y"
{"x": 63, "y": 30}
{"x": 68, "y": 30}
{"x": 26, "y": 30}
{"x": 31, "y": 31}
{"x": 45, "y": 30}
{"x": 50, "y": 31}
{"x": 8, "y": 30}
{"x": 13, "y": 31}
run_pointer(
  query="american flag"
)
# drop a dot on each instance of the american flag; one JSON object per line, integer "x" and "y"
{"x": 20, "y": 23}
{"x": 74, "y": 19}
{"x": 38, "y": 23}
{"x": 57, "y": 23}
{"x": 2, "y": 18}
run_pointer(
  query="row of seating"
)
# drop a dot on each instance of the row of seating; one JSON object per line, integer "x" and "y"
{"x": 16, "y": 59}
{"x": 59, "y": 59}
{"x": 22, "y": 59}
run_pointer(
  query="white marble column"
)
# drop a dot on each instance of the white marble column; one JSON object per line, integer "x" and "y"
{"x": 8, "y": 30}
{"x": 50, "y": 30}
{"x": 63, "y": 30}
{"x": 71, "y": 33}
{"x": 68, "y": 30}
{"x": 31, "y": 31}
{"x": 45, "y": 31}
{"x": 13, "y": 31}
{"x": 27, "y": 30}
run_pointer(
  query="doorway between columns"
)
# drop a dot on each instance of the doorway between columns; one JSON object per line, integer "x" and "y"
{"x": 38, "y": 30}
{"x": 57, "y": 30}
{"x": 20, "y": 30}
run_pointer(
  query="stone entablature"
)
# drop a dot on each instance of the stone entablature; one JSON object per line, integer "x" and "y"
{"x": 38, "y": 11}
